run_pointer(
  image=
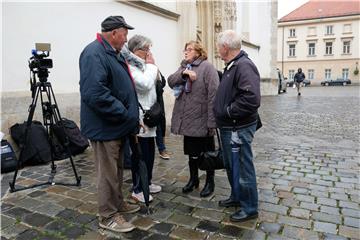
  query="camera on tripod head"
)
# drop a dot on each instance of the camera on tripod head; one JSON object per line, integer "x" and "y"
{"x": 39, "y": 63}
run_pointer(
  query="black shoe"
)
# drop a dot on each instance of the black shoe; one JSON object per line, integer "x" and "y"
{"x": 194, "y": 176}
{"x": 299, "y": 94}
{"x": 209, "y": 185}
{"x": 241, "y": 216}
{"x": 228, "y": 203}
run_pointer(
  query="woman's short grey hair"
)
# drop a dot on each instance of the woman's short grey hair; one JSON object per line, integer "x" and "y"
{"x": 138, "y": 42}
{"x": 230, "y": 38}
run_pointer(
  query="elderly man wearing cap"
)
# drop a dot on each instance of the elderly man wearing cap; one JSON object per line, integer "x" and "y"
{"x": 109, "y": 113}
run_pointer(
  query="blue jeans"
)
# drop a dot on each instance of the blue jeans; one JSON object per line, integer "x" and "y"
{"x": 238, "y": 161}
{"x": 160, "y": 139}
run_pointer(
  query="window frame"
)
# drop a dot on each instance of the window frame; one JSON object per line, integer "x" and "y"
{"x": 346, "y": 47}
{"x": 327, "y": 73}
{"x": 311, "y": 50}
{"x": 329, "y": 49}
{"x": 292, "y": 50}
{"x": 311, "y": 74}
{"x": 329, "y": 27}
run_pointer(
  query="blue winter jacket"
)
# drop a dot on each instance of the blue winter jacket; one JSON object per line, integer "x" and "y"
{"x": 109, "y": 105}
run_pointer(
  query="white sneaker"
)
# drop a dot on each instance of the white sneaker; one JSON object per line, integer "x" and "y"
{"x": 154, "y": 188}
{"x": 139, "y": 197}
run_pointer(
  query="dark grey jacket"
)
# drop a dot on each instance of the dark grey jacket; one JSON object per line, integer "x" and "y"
{"x": 238, "y": 95}
{"x": 193, "y": 112}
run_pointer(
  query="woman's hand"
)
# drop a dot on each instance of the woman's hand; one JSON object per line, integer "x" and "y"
{"x": 191, "y": 74}
{"x": 149, "y": 58}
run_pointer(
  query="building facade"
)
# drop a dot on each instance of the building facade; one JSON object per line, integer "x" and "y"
{"x": 322, "y": 38}
{"x": 69, "y": 26}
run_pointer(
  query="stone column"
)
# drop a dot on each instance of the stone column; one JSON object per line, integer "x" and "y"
{"x": 213, "y": 18}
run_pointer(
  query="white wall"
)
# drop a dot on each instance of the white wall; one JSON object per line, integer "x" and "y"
{"x": 258, "y": 25}
{"x": 69, "y": 27}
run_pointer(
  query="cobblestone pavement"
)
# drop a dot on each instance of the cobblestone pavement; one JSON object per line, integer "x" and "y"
{"x": 307, "y": 162}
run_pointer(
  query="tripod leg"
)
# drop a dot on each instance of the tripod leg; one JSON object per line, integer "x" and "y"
{"x": 26, "y": 135}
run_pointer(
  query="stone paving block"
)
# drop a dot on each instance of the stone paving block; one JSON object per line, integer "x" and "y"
{"x": 208, "y": 226}
{"x": 162, "y": 228}
{"x": 68, "y": 214}
{"x": 29, "y": 234}
{"x": 325, "y": 227}
{"x": 6, "y": 221}
{"x": 352, "y": 222}
{"x": 329, "y": 236}
{"x": 74, "y": 232}
{"x": 253, "y": 234}
{"x": 349, "y": 232}
{"x": 186, "y": 201}
{"x": 296, "y": 222}
{"x": 299, "y": 233}
{"x": 317, "y": 193}
{"x": 91, "y": 235}
{"x": 36, "y": 219}
{"x": 300, "y": 213}
{"x": 270, "y": 227}
{"x": 50, "y": 209}
{"x": 327, "y": 201}
{"x": 231, "y": 231}
{"x": 84, "y": 218}
{"x": 165, "y": 196}
{"x": 36, "y": 193}
{"x": 162, "y": 214}
{"x": 273, "y": 208}
{"x": 350, "y": 212}
{"x": 143, "y": 223}
{"x": 346, "y": 204}
{"x": 267, "y": 216}
{"x": 70, "y": 203}
{"x": 330, "y": 210}
{"x": 156, "y": 236}
{"x": 16, "y": 212}
{"x": 210, "y": 215}
{"x": 300, "y": 190}
{"x": 278, "y": 237}
{"x": 338, "y": 196}
{"x": 56, "y": 226}
{"x": 290, "y": 203}
{"x": 326, "y": 217}
{"x": 184, "y": 209}
{"x": 310, "y": 206}
{"x": 13, "y": 230}
{"x": 184, "y": 220}
{"x": 189, "y": 234}
{"x": 305, "y": 198}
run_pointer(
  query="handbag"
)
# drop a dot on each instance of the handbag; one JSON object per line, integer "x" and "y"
{"x": 212, "y": 160}
{"x": 152, "y": 117}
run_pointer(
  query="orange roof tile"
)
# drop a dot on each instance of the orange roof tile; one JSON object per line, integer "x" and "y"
{"x": 323, "y": 9}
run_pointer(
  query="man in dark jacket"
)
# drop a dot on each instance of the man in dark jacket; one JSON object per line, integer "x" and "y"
{"x": 235, "y": 108}
{"x": 109, "y": 112}
{"x": 298, "y": 79}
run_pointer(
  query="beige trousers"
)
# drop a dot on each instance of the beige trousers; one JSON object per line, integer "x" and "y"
{"x": 109, "y": 157}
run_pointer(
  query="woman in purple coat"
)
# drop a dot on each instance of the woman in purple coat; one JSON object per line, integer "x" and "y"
{"x": 195, "y": 84}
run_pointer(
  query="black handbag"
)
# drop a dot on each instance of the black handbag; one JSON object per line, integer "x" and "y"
{"x": 152, "y": 117}
{"x": 212, "y": 160}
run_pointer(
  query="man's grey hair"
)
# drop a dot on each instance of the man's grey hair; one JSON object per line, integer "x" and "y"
{"x": 138, "y": 42}
{"x": 230, "y": 38}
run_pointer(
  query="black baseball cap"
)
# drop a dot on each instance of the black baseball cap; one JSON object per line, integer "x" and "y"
{"x": 114, "y": 22}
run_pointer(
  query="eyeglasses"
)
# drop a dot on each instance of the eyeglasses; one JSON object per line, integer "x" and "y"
{"x": 146, "y": 49}
{"x": 188, "y": 50}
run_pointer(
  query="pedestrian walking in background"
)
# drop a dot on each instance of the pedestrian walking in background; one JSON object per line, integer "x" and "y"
{"x": 195, "y": 84}
{"x": 145, "y": 74}
{"x": 236, "y": 104}
{"x": 298, "y": 79}
{"x": 109, "y": 113}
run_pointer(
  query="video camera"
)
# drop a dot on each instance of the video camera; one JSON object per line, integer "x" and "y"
{"x": 39, "y": 63}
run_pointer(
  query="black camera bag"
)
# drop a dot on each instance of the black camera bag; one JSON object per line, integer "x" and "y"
{"x": 8, "y": 157}
{"x": 153, "y": 116}
{"x": 38, "y": 149}
{"x": 77, "y": 142}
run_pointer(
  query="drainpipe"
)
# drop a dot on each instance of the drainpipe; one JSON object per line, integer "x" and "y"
{"x": 282, "y": 52}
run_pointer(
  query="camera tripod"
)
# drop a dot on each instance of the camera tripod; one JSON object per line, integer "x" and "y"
{"x": 51, "y": 116}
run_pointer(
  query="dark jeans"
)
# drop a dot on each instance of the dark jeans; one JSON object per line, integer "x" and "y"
{"x": 238, "y": 161}
{"x": 127, "y": 154}
{"x": 147, "y": 145}
{"x": 160, "y": 139}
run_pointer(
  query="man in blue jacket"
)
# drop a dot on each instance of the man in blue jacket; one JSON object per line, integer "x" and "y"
{"x": 236, "y": 103}
{"x": 109, "y": 113}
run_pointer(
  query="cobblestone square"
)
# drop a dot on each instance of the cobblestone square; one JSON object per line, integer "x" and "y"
{"x": 307, "y": 163}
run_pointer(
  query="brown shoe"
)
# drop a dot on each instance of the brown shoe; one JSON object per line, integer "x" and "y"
{"x": 116, "y": 223}
{"x": 129, "y": 208}
{"x": 164, "y": 155}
